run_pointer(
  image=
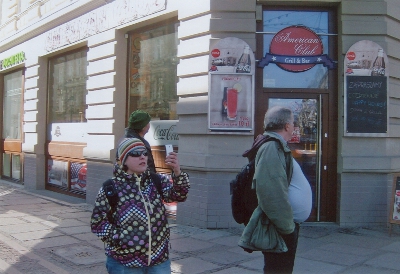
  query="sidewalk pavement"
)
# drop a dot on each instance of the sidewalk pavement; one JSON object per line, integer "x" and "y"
{"x": 43, "y": 232}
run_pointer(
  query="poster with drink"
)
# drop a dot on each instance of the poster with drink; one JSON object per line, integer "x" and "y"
{"x": 231, "y": 86}
{"x": 366, "y": 58}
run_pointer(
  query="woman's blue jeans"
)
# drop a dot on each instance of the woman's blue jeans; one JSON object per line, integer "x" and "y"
{"x": 115, "y": 267}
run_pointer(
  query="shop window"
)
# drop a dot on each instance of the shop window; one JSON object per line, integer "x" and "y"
{"x": 6, "y": 165}
{"x": 12, "y": 166}
{"x": 12, "y": 105}
{"x": 152, "y": 71}
{"x": 67, "y": 88}
{"x": 276, "y": 20}
{"x": 67, "y": 175}
{"x": 67, "y": 124}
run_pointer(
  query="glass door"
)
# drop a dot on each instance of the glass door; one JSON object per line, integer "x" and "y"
{"x": 11, "y": 167}
{"x": 306, "y": 142}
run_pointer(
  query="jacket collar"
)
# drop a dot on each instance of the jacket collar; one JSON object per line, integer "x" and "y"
{"x": 279, "y": 138}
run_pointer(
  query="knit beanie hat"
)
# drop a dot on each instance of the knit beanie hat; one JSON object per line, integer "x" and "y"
{"x": 139, "y": 119}
{"x": 127, "y": 145}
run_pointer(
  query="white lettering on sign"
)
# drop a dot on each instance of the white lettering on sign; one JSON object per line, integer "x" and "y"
{"x": 285, "y": 37}
{"x": 113, "y": 14}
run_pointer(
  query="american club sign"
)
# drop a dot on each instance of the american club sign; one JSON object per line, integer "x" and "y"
{"x": 296, "y": 49}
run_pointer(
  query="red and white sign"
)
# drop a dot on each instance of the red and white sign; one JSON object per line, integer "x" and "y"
{"x": 295, "y": 42}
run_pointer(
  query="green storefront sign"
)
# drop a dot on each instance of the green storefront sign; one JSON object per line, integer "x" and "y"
{"x": 12, "y": 60}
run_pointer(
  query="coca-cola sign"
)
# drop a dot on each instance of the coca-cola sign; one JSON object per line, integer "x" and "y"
{"x": 296, "y": 49}
{"x": 162, "y": 132}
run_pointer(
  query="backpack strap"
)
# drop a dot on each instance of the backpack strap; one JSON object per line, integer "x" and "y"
{"x": 112, "y": 197}
{"x": 157, "y": 182}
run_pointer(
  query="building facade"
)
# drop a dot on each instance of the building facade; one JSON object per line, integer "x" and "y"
{"x": 72, "y": 72}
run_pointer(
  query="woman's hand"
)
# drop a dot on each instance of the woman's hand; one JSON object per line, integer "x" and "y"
{"x": 172, "y": 161}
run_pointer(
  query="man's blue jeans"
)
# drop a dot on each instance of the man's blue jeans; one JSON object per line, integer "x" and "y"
{"x": 115, "y": 267}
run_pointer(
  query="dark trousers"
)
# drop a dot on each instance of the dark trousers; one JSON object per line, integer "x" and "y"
{"x": 275, "y": 263}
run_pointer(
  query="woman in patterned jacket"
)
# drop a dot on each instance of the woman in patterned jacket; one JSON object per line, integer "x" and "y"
{"x": 137, "y": 238}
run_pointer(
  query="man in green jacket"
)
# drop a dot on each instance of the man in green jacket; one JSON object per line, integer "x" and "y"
{"x": 272, "y": 177}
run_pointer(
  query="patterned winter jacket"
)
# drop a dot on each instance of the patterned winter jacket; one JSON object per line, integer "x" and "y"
{"x": 139, "y": 234}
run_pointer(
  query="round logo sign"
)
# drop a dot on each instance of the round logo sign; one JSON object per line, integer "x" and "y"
{"x": 351, "y": 55}
{"x": 295, "y": 42}
{"x": 215, "y": 53}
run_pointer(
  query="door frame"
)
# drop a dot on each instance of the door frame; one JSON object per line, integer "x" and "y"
{"x": 329, "y": 109}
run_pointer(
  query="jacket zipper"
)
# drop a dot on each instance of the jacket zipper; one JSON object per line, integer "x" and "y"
{"x": 148, "y": 221}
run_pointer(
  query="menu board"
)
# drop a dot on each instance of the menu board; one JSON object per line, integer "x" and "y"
{"x": 366, "y": 104}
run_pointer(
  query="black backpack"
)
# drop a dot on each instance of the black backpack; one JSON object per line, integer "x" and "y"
{"x": 244, "y": 198}
{"x": 112, "y": 194}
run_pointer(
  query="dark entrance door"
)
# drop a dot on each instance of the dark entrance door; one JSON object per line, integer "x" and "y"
{"x": 309, "y": 90}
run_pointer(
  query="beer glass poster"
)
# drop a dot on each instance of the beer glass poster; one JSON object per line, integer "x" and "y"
{"x": 231, "y": 80}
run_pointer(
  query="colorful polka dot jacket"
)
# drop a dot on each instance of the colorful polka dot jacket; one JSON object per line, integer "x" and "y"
{"x": 138, "y": 236}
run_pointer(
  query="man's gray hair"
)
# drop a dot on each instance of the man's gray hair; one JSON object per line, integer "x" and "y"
{"x": 277, "y": 117}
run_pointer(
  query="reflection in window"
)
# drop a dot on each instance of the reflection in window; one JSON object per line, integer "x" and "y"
{"x": 12, "y": 105}
{"x": 152, "y": 76}
{"x": 275, "y": 77}
{"x": 67, "y": 90}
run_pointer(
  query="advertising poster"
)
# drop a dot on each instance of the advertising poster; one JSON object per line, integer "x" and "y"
{"x": 366, "y": 90}
{"x": 58, "y": 173}
{"x": 231, "y": 86}
{"x": 163, "y": 132}
{"x": 78, "y": 176}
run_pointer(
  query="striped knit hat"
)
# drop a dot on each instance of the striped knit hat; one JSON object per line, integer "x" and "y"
{"x": 127, "y": 145}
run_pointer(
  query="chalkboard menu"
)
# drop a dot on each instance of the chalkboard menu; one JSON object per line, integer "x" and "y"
{"x": 366, "y": 108}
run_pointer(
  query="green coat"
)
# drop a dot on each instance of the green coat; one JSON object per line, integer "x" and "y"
{"x": 271, "y": 182}
{"x": 274, "y": 213}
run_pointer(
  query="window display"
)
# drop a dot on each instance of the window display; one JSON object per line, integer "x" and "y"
{"x": 12, "y": 105}
{"x": 152, "y": 71}
{"x": 67, "y": 88}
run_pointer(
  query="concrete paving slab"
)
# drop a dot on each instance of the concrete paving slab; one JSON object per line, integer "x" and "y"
{"x": 228, "y": 241}
{"x": 357, "y": 240}
{"x": 12, "y": 213}
{"x": 212, "y": 234}
{"x": 241, "y": 252}
{"x": 332, "y": 257}
{"x": 25, "y": 227}
{"x": 224, "y": 257}
{"x": 305, "y": 266}
{"x": 71, "y": 223}
{"x": 364, "y": 269}
{"x": 394, "y": 247}
{"x": 12, "y": 221}
{"x": 189, "y": 245}
{"x": 7, "y": 268}
{"x": 50, "y": 242}
{"x": 88, "y": 237}
{"x": 32, "y": 219}
{"x": 347, "y": 249}
{"x": 236, "y": 270}
{"x": 78, "y": 215}
{"x": 74, "y": 230}
{"x": 35, "y": 235}
{"x": 306, "y": 244}
{"x": 254, "y": 264}
{"x": 22, "y": 208}
{"x": 192, "y": 265}
{"x": 81, "y": 254}
{"x": 386, "y": 260}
